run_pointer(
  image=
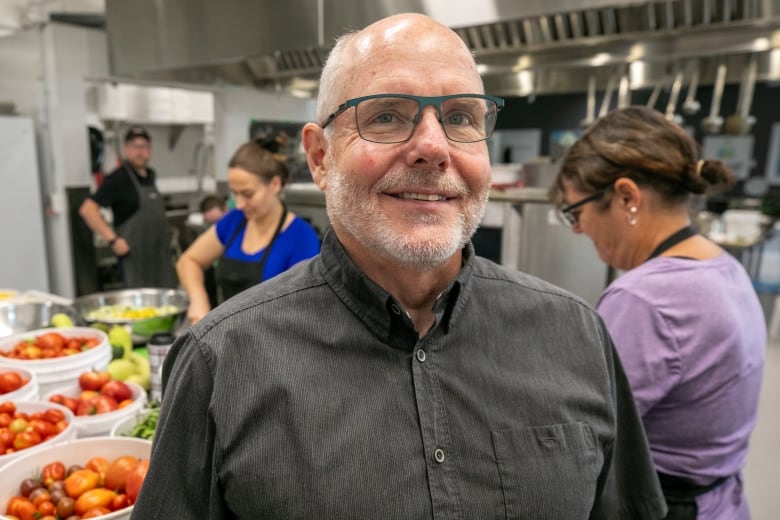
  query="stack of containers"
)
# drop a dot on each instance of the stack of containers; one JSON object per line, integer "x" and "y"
{"x": 56, "y": 372}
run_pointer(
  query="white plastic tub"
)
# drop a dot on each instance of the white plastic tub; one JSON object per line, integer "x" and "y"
{"x": 100, "y": 424}
{"x": 67, "y": 434}
{"x": 126, "y": 425}
{"x": 56, "y": 372}
{"x": 77, "y": 451}
{"x": 28, "y": 392}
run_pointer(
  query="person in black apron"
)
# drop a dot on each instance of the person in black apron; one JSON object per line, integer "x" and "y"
{"x": 141, "y": 237}
{"x": 253, "y": 242}
{"x": 683, "y": 314}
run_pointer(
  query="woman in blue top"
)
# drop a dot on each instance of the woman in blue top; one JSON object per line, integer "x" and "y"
{"x": 253, "y": 242}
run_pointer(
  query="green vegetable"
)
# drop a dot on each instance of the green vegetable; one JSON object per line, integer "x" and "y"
{"x": 145, "y": 428}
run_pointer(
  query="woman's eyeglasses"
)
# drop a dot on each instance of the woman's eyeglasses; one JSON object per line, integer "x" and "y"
{"x": 570, "y": 214}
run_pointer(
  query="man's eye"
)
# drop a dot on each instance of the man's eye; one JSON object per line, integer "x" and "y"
{"x": 458, "y": 119}
{"x": 385, "y": 117}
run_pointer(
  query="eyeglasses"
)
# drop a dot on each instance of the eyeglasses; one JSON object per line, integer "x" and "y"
{"x": 572, "y": 217}
{"x": 392, "y": 118}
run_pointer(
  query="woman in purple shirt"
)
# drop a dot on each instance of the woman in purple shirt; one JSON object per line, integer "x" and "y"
{"x": 684, "y": 316}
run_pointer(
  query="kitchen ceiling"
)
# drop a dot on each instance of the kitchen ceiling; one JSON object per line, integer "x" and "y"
{"x": 523, "y": 48}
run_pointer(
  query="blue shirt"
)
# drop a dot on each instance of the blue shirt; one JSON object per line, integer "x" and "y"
{"x": 298, "y": 242}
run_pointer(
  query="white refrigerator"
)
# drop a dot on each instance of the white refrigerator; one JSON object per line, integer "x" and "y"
{"x": 22, "y": 244}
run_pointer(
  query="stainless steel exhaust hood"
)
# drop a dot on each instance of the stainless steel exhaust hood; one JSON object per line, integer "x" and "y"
{"x": 528, "y": 47}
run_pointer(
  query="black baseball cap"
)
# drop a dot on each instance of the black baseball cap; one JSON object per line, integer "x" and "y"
{"x": 137, "y": 131}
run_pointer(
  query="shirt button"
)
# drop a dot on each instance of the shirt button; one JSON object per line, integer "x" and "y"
{"x": 421, "y": 355}
{"x": 396, "y": 309}
{"x": 438, "y": 454}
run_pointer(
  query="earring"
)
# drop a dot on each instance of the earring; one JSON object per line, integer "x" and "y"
{"x": 632, "y": 217}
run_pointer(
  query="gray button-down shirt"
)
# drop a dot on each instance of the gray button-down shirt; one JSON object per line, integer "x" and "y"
{"x": 311, "y": 396}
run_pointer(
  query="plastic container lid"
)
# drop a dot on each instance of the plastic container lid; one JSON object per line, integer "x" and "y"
{"x": 77, "y": 451}
{"x": 67, "y": 434}
{"x": 28, "y": 392}
{"x": 100, "y": 424}
{"x": 55, "y": 372}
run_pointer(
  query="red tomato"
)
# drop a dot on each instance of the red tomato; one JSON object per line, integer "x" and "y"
{"x": 6, "y": 439}
{"x": 5, "y": 419}
{"x": 52, "y": 472}
{"x": 51, "y": 341}
{"x": 105, "y": 404}
{"x": 135, "y": 479}
{"x": 10, "y": 381}
{"x": 117, "y": 389}
{"x": 120, "y": 502}
{"x": 53, "y": 415}
{"x": 94, "y": 513}
{"x": 7, "y": 407}
{"x": 116, "y": 474}
{"x": 43, "y": 428}
{"x": 93, "y": 380}
{"x": 21, "y": 507}
{"x": 26, "y": 439}
{"x": 99, "y": 465}
{"x": 88, "y": 394}
{"x": 81, "y": 481}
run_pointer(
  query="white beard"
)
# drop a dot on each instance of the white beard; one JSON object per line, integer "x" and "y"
{"x": 427, "y": 240}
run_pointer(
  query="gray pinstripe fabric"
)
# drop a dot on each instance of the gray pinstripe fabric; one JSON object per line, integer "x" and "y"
{"x": 309, "y": 397}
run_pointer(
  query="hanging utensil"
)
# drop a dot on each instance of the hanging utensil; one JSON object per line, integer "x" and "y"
{"x": 653, "y": 99}
{"x": 741, "y": 122}
{"x": 590, "y": 111}
{"x": 624, "y": 94}
{"x": 607, "y": 97}
{"x": 713, "y": 123}
{"x": 673, "y": 95}
{"x": 691, "y": 106}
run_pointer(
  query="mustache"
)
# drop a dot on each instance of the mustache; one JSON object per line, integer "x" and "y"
{"x": 422, "y": 178}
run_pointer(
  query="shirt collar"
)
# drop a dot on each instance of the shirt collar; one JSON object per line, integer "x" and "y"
{"x": 376, "y": 307}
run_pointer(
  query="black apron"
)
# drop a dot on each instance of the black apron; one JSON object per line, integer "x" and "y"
{"x": 680, "y": 494}
{"x": 150, "y": 260}
{"x": 234, "y": 276}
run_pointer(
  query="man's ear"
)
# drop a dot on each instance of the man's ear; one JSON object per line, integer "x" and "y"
{"x": 314, "y": 146}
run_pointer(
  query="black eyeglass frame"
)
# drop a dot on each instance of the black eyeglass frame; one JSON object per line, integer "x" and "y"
{"x": 573, "y": 219}
{"x": 422, "y": 101}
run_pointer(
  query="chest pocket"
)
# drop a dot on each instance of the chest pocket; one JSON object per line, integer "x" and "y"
{"x": 548, "y": 472}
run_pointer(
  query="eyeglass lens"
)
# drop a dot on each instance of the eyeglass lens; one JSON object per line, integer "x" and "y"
{"x": 390, "y": 119}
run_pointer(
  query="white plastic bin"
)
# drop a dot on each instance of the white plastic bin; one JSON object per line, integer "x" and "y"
{"x": 77, "y": 451}
{"x": 28, "y": 392}
{"x": 100, "y": 424}
{"x": 56, "y": 372}
{"x": 67, "y": 434}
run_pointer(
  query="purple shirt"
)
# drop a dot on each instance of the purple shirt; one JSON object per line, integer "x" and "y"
{"x": 692, "y": 338}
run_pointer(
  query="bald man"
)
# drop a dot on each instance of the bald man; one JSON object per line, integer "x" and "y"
{"x": 397, "y": 375}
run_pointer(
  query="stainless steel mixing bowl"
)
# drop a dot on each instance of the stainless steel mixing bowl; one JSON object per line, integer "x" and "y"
{"x": 16, "y": 317}
{"x": 141, "y": 329}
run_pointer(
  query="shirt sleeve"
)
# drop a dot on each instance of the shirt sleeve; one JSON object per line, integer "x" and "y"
{"x": 647, "y": 347}
{"x": 183, "y": 452}
{"x": 110, "y": 190}
{"x": 226, "y": 225}
{"x": 628, "y": 486}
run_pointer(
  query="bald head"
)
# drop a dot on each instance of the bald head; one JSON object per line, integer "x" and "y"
{"x": 403, "y": 46}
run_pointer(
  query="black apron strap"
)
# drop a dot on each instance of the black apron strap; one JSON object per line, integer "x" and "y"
{"x": 267, "y": 251}
{"x": 674, "y": 239}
